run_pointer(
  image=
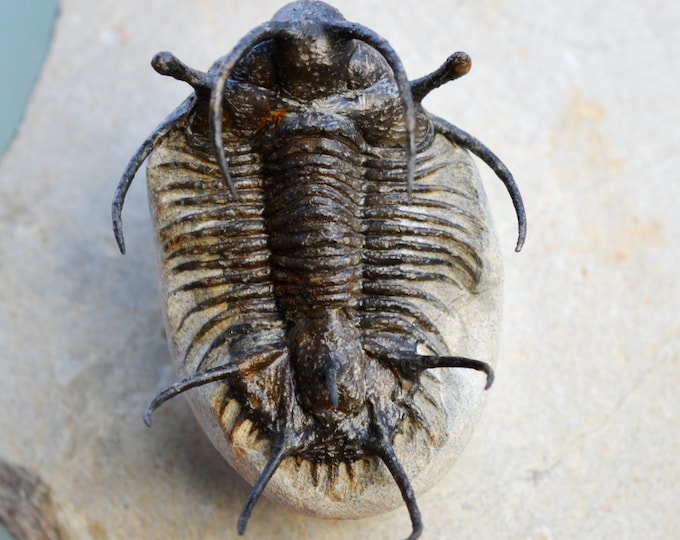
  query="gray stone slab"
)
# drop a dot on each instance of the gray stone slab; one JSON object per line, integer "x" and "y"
{"x": 579, "y": 437}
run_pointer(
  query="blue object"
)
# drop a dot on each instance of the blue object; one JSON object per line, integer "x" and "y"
{"x": 25, "y": 34}
{"x": 4, "y": 535}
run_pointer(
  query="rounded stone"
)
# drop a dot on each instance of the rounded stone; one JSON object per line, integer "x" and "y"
{"x": 452, "y": 399}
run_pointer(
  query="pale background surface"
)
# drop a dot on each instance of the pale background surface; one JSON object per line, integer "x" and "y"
{"x": 581, "y": 434}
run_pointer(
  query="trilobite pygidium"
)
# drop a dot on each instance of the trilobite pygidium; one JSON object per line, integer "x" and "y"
{"x": 307, "y": 211}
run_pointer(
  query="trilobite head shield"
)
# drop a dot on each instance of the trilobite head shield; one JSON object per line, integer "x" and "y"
{"x": 327, "y": 240}
{"x": 311, "y": 46}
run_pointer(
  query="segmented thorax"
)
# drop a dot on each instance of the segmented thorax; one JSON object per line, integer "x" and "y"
{"x": 313, "y": 197}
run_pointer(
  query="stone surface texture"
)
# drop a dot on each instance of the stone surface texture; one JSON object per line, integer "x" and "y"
{"x": 579, "y": 437}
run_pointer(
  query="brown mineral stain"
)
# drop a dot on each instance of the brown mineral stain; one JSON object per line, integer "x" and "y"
{"x": 96, "y": 530}
{"x": 580, "y": 134}
{"x": 618, "y": 257}
{"x": 650, "y": 231}
{"x": 633, "y": 238}
{"x": 275, "y": 117}
{"x": 618, "y": 242}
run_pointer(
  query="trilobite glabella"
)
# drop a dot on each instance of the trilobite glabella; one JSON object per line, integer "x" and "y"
{"x": 325, "y": 243}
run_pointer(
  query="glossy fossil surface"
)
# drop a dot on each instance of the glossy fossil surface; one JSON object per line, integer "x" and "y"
{"x": 192, "y": 227}
{"x": 321, "y": 236}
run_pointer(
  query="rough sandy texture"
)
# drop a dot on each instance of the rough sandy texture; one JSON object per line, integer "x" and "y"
{"x": 579, "y": 438}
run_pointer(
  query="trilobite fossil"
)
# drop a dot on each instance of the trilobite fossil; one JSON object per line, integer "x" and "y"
{"x": 323, "y": 240}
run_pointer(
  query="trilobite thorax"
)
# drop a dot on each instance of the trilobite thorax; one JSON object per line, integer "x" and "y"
{"x": 226, "y": 265}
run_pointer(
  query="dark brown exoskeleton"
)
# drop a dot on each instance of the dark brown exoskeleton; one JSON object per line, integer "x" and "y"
{"x": 301, "y": 219}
